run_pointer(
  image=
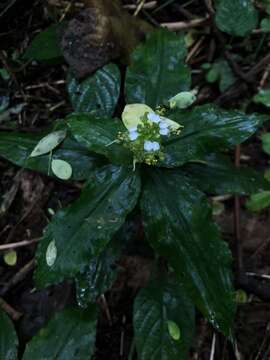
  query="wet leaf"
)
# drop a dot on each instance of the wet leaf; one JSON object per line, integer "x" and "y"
{"x": 157, "y": 71}
{"x": 98, "y": 93}
{"x": 70, "y": 334}
{"x": 216, "y": 174}
{"x": 99, "y": 135}
{"x": 48, "y": 143}
{"x": 157, "y": 337}
{"x": 206, "y": 129}
{"x": 236, "y": 17}
{"x": 178, "y": 224}
{"x": 88, "y": 224}
{"x": 16, "y": 147}
{"x": 61, "y": 169}
{"x": 8, "y": 338}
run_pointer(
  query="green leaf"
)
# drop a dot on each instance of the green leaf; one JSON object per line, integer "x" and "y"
{"x": 263, "y": 97}
{"x": 206, "y": 129}
{"x": 157, "y": 71}
{"x": 161, "y": 312}
{"x": 217, "y": 175}
{"x": 259, "y": 201}
{"x": 61, "y": 169}
{"x": 266, "y": 143}
{"x": 178, "y": 225}
{"x": 8, "y": 338}
{"x": 82, "y": 231}
{"x": 16, "y": 147}
{"x": 99, "y": 275}
{"x": 98, "y": 93}
{"x": 48, "y": 143}
{"x": 236, "y": 17}
{"x": 69, "y": 335}
{"x": 265, "y": 25}
{"x": 221, "y": 72}
{"x": 45, "y": 45}
{"x": 100, "y": 136}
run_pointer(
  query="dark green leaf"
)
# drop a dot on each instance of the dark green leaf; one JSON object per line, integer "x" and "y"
{"x": 70, "y": 335}
{"x": 263, "y": 97}
{"x": 178, "y": 224}
{"x": 259, "y": 201}
{"x": 16, "y": 147}
{"x": 163, "y": 303}
{"x": 45, "y": 45}
{"x": 266, "y": 143}
{"x": 236, "y": 17}
{"x": 157, "y": 71}
{"x": 99, "y": 274}
{"x": 99, "y": 135}
{"x": 207, "y": 128}
{"x": 98, "y": 93}
{"x": 219, "y": 176}
{"x": 83, "y": 230}
{"x": 8, "y": 338}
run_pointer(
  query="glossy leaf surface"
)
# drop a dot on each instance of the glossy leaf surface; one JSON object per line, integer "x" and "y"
{"x": 236, "y": 17}
{"x": 157, "y": 71}
{"x": 178, "y": 225}
{"x": 82, "y": 231}
{"x": 217, "y": 175}
{"x": 97, "y": 93}
{"x": 99, "y": 135}
{"x": 207, "y": 128}
{"x": 70, "y": 334}
{"x": 16, "y": 147}
{"x": 160, "y": 311}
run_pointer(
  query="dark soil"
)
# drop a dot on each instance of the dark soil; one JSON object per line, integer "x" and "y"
{"x": 41, "y": 87}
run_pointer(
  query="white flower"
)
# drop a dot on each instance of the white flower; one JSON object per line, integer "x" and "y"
{"x": 164, "y": 131}
{"x": 151, "y": 145}
{"x": 147, "y": 145}
{"x": 163, "y": 125}
{"x": 153, "y": 118}
{"x": 155, "y": 146}
{"x": 133, "y": 135}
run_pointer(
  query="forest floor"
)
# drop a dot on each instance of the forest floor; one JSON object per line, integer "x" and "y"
{"x": 37, "y": 94}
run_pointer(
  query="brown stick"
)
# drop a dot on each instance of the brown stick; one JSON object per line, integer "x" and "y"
{"x": 238, "y": 244}
{"x": 19, "y": 276}
{"x": 19, "y": 244}
{"x": 14, "y": 314}
{"x": 182, "y": 25}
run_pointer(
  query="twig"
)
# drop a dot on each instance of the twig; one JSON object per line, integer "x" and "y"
{"x": 213, "y": 347}
{"x": 14, "y": 314}
{"x": 18, "y": 277}
{"x": 139, "y": 7}
{"x": 195, "y": 49}
{"x": 182, "y": 25}
{"x": 147, "y": 6}
{"x": 19, "y": 244}
{"x": 238, "y": 244}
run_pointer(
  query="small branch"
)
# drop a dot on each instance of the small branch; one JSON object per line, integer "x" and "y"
{"x": 18, "y": 244}
{"x": 147, "y": 6}
{"x": 182, "y": 25}
{"x": 18, "y": 277}
{"x": 14, "y": 314}
{"x": 213, "y": 347}
{"x": 238, "y": 244}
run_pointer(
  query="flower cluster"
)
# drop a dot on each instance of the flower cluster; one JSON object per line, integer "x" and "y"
{"x": 146, "y": 130}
